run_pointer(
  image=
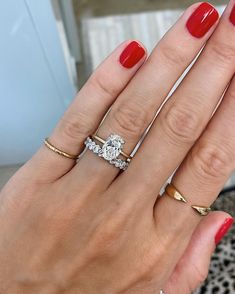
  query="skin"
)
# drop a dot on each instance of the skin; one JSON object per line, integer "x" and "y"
{"x": 83, "y": 227}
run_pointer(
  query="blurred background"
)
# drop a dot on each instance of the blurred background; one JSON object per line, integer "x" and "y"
{"x": 50, "y": 47}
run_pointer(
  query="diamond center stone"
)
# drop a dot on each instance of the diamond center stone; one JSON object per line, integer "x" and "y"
{"x": 112, "y": 147}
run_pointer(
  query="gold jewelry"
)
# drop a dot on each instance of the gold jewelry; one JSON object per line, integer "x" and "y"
{"x": 103, "y": 142}
{"x": 201, "y": 210}
{"x": 58, "y": 151}
{"x": 172, "y": 192}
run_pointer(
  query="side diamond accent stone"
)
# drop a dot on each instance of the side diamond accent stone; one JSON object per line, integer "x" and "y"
{"x": 96, "y": 148}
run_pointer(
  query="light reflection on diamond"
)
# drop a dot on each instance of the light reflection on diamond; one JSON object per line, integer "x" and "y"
{"x": 112, "y": 147}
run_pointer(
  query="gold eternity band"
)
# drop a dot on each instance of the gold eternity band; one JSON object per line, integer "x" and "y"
{"x": 58, "y": 151}
{"x": 128, "y": 157}
{"x": 172, "y": 192}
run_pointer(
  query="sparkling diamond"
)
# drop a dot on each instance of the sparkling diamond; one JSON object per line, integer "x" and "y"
{"x": 96, "y": 149}
{"x": 112, "y": 147}
{"x": 100, "y": 152}
{"x": 123, "y": 165}
{"x": 117, "y": 164}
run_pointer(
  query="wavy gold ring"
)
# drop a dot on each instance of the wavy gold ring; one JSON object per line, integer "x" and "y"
{"x": 174, "y": 193}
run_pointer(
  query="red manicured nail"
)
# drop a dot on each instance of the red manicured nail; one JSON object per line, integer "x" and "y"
{"x": 202, "y": 19}
{"x": 232, "y": 16}
{"x": 132, "y": 54}
{"x": 223, "y": 229}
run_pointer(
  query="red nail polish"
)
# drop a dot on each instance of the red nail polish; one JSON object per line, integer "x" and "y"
{"x": 132, "y": 54}
{"x": 202, "y": 19}
{"x": 232, "y": 16}
{"x": 223, "y": 229}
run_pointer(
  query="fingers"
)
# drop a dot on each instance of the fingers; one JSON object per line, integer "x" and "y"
{"x": 187, "y": 112}
{"x": 200, "y": 177}
{"x": 192, "y": 268}
{"x": 88, "y": 108}
{"x": 136, "y": 106}
{"x": 205, "y": 170}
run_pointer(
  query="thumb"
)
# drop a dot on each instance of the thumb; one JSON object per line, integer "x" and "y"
{"x": 192, "y": 268}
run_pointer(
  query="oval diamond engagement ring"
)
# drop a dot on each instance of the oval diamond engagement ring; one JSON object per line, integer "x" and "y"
{"x": 110, "y": 150}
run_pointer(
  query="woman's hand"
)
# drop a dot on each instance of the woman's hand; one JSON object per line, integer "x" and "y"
{"x": 85, "y": 227}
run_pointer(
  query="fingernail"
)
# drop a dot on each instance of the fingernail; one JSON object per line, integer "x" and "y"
{"x": 223, "y": 229}
{"x": 232, "y": 16}
{"x": 202, "y": 19}
{"x": 132, "y": 54}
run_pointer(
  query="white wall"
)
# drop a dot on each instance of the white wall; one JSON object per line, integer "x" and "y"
{"x": 34, "y": 84}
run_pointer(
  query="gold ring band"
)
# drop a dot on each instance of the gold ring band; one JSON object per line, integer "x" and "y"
{"x": 58, "y": 151}
{"x": 174, "y": 193}
{"x": 103, "y": 141}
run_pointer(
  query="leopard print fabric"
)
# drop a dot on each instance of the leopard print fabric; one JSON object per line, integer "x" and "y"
{"x": 221, "y": 277}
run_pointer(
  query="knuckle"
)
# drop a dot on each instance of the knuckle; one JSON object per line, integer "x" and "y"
{"x": 76, "y": 126}
{"x": 102, "y": 83}
{"x": 130, "y": 119}
{"x": 211, "y": 162}
{"x": 222, "y": 52}
{"x": 173, "y": 56}
{"x": 180, "y": 125}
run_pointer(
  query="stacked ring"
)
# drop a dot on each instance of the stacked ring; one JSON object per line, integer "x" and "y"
{"x": 110, "y": 150}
